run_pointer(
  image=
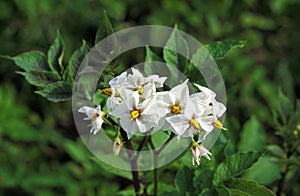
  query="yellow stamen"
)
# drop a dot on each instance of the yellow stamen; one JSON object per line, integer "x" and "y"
{"x": 107, "y": 91}
{"x": 134, "y": 114}
{"x": 194, "y": 124}
{"x": 141, "y": 90}
{"x": 96, "y": 115}
{"x": 219, "y": 125}
{"x": 175, "y": 109}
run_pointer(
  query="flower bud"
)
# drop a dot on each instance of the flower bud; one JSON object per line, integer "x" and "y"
{"x": 117, "y": 146}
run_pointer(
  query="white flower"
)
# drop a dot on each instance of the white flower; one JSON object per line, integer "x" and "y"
{"x": 137, "y": 117}
{"x": 95, "y": 115}
{"x": 213, "y": 110}
{"x": 116, "y": 86}
{"x": 124, "y": 85}
{"x": 189, "y": 122}
{"x": 199, "y": 151}
{"x": 146, "y": 87}
{"x": 207, "y": 97}
{"x": 173, "y": 102}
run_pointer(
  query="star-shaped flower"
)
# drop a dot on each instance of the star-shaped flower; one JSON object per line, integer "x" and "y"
{"x": 198, "y": 151}
{"x": 135, "y": 116}
{"x": 95, "y": 115}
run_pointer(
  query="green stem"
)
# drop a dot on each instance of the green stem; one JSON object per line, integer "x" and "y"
{"x": 133, "y": 163}
{"x": 155, "y": 162}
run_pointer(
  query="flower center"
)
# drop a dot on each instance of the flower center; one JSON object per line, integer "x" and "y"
{"x": 140, "y": 90}
{"x": 107, "y": 91}
{"x": 96, "y": 115}
{"x": 194, "y": 124}
{"x": 134, "y": 114}
{"x": 175, "y": 109}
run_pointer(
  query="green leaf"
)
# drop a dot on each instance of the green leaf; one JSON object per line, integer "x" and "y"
{"x": 221, "y": 190}
{"x": 39, "y": 78}
{"x": 184, "y": 180}
{"x": 203, "y": 180}
{"x": 237, "y": 192}
{"x": 150, "y": 57}
{"x": 159, "y": 138}
{"x": 30, "y": 61}
{"x": 104, "y": 30}
{"x": 270, "y": 170}
{"x": 252, "y": 129}
{"x": 276, "y": 151}
{"x": 175, "y": 43}
{"x": 235, "y": 165}
{"x": 108, "y": 46}
{"x": 219, "y": 49}
{"x": 206, "y": 192}
{"x": 59, "y": 91}
{"x": 75, "y": 61}
{"x": 249, "y": 187}
{"x": 55, "y": 54}
{"x": 285, "y": 106}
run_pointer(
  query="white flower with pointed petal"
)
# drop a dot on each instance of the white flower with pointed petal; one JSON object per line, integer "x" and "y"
{"x": 189, "y": 121}
{"x": 208, "y": 97}
{"x": 214, "y": 110}
{"x": 116, "y": 86}
{"x": 95, "y": 115}
{"x": 146, "y": 87}
{"x": 173, "y": 102}
{"x": 137, "y": 117}
{"x": 199, "y": 151}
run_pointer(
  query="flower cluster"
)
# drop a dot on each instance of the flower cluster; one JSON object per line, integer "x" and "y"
{"x": 135, "y": 102}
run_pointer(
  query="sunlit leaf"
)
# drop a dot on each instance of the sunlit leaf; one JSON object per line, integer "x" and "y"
{"x": 249, "y": 187}
{"x": 235, "y": 165}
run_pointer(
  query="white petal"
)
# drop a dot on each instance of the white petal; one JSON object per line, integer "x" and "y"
{"x": 178, "y": 123}
{"x": 202, "y": 136}
{"x": 206, "y": 123}
{"x": 218, "y": 109}
{"x": 207, "y": 92}
{"x": 96, "y": 125}
{"x": 121, "y": 111}
{"x": 181, "y": 91}
{"x": 90, "y": 112}
{"x": 158, "y": 81}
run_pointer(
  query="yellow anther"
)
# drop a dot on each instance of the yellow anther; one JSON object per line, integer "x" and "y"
{"x": 107, "y": 91}
{"x": 96, "y": 115}
{"x": 194, "y": 124}
{"x": 219, "y": 125}
{"x": 134, "y": 114}
{"x": 175, "y": 109}
{"x": 141, "y": 90}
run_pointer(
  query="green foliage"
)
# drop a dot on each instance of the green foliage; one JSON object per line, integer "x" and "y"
{"x": 235, "y": 165}
{"x": 248, "y": 187}
{"x": 32, "y": 131}
{"x": 184, "y": 180}
{"x": 56, "y": 54}
{"x": 104, "y": 30}
{"x": 252, "y": 129}
{"x": 31, "y": 61}
{"x": 218, "y": 49}
{"x": 59, "y": 91}
{"x": 74, "y": 62}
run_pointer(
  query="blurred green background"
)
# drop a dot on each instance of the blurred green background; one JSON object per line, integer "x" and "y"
{"x": 40, "y": 152}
